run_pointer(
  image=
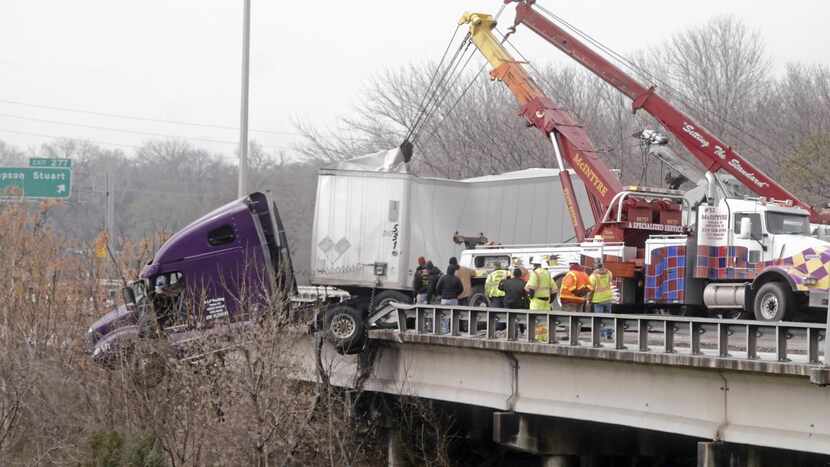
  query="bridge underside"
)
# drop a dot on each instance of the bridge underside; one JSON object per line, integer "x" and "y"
{"x": 742, "y": 407}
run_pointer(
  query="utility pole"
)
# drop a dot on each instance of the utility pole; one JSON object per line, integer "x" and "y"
{"x": 243, "y": 124}
{"x": 110, "y": 213}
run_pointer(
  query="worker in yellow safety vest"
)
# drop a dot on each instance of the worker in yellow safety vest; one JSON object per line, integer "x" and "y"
{"x": 540, "y": 287}
{"x": 491, "y": 286}
{"x": 602, "y": 295}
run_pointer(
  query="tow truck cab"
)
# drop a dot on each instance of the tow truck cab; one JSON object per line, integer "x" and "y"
{"x": 746, "y": 256}
{"x": 224, "y": 267}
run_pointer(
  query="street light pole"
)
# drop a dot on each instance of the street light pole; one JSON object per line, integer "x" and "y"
{"x": 243, "y": 124}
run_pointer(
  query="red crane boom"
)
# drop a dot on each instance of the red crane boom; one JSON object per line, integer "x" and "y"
{"x": 709, "y": 150}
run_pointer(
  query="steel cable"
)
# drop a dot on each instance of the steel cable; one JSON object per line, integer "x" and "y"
{"x": 444, "y": 87}
{"x": 437, "y": 99}
{"x": 422, "y": 103}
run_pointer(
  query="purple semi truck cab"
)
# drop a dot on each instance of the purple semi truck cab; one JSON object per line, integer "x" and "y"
{"x": 226, "y": 267}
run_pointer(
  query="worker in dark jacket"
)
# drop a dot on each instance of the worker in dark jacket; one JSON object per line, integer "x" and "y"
{"x": 420, "y": 281}
{"x": 449, "y": 287}
{"x": 515, "y": 295}
{"x": 432, "y": 276}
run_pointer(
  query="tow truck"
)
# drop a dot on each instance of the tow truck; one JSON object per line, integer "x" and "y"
{"x": 706, "y": 250}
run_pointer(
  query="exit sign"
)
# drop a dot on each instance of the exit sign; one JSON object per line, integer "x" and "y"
{"x": 35, "y": 182}
{"x": 49, "y": 162}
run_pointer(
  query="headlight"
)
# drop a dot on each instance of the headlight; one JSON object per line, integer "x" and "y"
{"x": 810, "y": 281}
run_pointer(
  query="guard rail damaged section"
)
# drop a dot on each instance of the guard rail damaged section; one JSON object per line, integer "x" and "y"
{"x": 784, "y": 348}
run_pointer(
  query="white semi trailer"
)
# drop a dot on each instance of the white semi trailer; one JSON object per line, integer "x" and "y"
{"x": 371, "y": 224}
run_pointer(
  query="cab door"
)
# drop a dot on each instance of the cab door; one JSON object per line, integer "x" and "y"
{"x": 754, "y": 243}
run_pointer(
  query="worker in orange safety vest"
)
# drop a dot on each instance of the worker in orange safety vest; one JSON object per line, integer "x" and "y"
{"x": 575, "y": 288}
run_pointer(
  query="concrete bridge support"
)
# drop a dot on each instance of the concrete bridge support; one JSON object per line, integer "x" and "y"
{"x": 716, "y": 454}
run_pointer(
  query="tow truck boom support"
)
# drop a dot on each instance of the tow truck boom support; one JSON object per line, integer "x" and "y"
{"x": 557, "y": 124}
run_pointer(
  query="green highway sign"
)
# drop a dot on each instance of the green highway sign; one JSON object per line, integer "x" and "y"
{"x": 49, "y": 162}
{"x": 35, "y": 182}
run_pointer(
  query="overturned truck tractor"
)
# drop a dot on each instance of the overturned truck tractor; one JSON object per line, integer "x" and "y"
{"x": 227, "y": 269}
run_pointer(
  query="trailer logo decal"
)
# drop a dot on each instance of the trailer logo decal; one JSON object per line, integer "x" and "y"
{"x": 348, "y": 269}
{"x": 326, "y": 244}
{"x": 342, "y": 246}
{"x": 395, "y": 234}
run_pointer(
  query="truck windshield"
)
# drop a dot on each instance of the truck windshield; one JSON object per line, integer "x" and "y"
{"x": 784, "y": 223}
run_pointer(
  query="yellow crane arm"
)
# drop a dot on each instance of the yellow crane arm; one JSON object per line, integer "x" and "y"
{"x": 505, "y": 67}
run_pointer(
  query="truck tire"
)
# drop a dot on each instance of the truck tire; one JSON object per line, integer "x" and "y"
{"x": 345, "y": 328}
{"x": 773, "y": 302}
{"x": 478, "y": 297}
{"x": 389, "y": 296}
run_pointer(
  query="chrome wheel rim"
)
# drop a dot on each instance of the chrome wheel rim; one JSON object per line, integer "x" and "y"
{"x": 769, "y": 306}
{"x": 343, "y": 326}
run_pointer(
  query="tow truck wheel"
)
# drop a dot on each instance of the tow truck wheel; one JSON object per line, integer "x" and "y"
{"x": 345, "y": 327}
{"x": 773, "y": 302}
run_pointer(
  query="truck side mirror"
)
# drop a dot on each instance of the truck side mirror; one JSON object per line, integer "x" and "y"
{"x": 746, "y": 229}
{"x": 129, "y": 296}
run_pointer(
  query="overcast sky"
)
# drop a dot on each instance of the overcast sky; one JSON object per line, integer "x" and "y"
{"x": 180, "y": 59}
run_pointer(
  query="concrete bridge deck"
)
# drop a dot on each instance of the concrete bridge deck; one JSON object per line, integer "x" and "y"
{"x": 764, "y": 387}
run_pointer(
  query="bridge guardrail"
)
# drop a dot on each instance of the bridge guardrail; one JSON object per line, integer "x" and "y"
{"x": 783, "y": 342}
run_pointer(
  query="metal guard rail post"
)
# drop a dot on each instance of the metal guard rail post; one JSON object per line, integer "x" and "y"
{"x": 791, "y": 343}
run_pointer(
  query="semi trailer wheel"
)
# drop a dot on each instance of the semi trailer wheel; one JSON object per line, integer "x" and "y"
{"x": 382, "y": 300}
{"x": 345, "y": 327}
{"x": 773, "y": 302}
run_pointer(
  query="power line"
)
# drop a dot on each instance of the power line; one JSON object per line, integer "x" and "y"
{"x": 119, "y": 130}
{"x": 42, "y": 135}
{"x": 146, "y": 119}
{"x": 128, "y": 131}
